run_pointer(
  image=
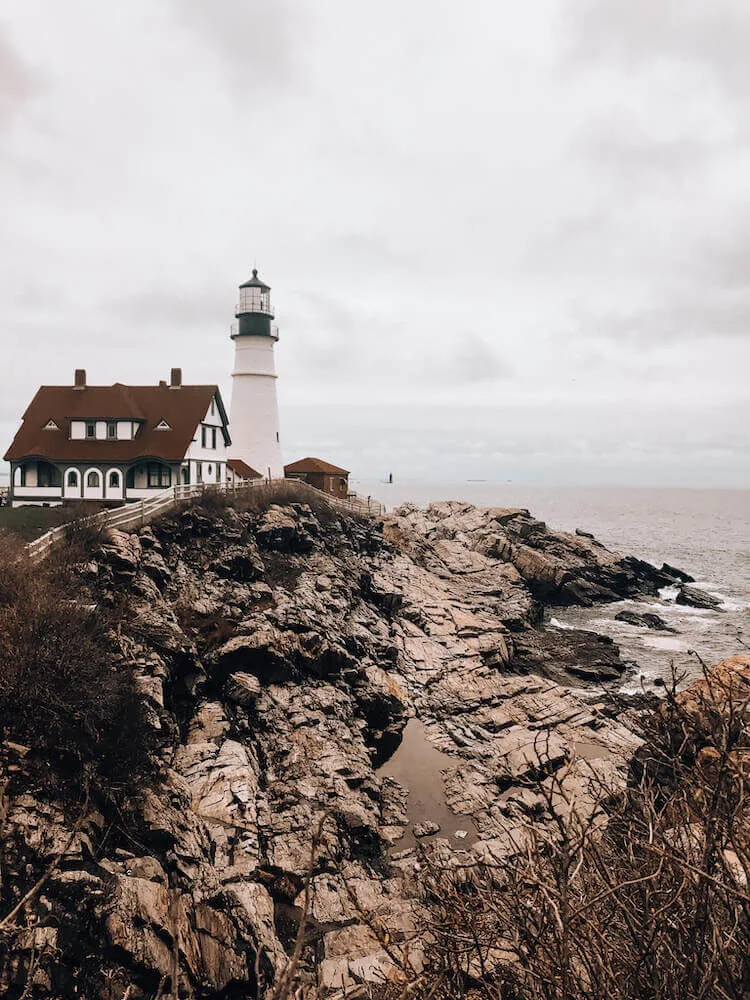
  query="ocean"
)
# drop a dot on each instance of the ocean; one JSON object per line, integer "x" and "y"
{"x": 704, "y": 532}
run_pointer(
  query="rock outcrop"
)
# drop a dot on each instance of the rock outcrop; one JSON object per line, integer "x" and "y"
{"x": 281, "y": 655}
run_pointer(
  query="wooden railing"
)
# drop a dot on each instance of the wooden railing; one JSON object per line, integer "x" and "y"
{"x": 137, "y": 514}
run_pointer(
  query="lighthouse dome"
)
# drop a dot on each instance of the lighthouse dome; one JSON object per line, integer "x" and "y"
{"x": 255, "y": 282}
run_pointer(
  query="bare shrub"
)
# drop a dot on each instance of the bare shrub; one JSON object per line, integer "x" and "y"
{"x": 61, "y": 690}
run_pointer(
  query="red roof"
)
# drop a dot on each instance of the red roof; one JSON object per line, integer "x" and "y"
{"x": 242, "y": 469}
{"x": 183, "y": 408}
{"x": 315, "y": 465}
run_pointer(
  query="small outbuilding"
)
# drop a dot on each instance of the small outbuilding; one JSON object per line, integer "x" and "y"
{"x": 239, "y": 472}
{"x": 322, "y": 475}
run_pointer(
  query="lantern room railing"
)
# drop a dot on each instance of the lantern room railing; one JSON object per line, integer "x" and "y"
{"x": 235, "y": 329}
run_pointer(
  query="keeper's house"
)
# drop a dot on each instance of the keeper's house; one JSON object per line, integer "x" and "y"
{"x": 118, "y": 442}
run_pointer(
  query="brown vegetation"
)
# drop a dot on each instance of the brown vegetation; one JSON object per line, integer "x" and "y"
{"x": 257, "y": 500}
{"x": 62, "y": 692}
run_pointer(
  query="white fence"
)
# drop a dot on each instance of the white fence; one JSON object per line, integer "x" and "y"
{"x": 137, "y": 514}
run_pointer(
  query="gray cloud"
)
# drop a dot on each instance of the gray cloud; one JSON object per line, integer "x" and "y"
{"x": 689, "y": 36}
{"x": 508, "y": 233}
{"x": 252, "y": 42}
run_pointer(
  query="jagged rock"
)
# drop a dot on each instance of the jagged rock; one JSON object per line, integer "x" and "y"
{"x": 242, "y": 689}
{"x": 279, "y": 530}
{"x": 266, "y": 654}
{"x": 122, "y": 552}
{"x": 239, "y": 562}
{"x": 696, "y": 598}
{"x": 643, "y": 620}
{"x": 282, "y": 654}
{"x": 426, "y": 828}
{"x": 153, "y": 564}
{"x": 678, "y": 574}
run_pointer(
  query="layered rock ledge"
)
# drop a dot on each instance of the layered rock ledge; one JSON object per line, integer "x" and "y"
{"x": 281, "y": 655}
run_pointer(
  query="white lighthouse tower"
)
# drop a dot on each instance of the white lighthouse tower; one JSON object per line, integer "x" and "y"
{"x": 254, "y": 412}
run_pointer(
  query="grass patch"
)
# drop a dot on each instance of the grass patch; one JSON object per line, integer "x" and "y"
{"x": 29, "y": 522}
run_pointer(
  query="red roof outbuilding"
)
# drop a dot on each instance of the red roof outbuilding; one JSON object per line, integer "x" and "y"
{"x": 306, "y": 465}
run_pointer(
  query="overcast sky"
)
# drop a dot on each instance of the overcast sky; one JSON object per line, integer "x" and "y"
{"x": 505, "y": 240}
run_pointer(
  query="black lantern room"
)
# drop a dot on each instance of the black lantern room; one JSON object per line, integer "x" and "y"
{"x": 254, "y": 312}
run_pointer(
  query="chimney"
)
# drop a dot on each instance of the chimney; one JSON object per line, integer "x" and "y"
{"x": 79, "y": 380}
{"x": 175, "y": 378}
{"x": 162, "y": 384}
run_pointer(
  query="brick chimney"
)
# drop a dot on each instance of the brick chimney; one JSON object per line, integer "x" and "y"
{"x": 79, "y": 380}
{"x": 175, "y": 378}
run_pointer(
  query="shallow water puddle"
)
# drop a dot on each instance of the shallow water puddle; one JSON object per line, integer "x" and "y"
{"x": 416, "y": 765}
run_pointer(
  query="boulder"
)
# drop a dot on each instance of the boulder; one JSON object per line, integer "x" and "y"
{"x": 239, "y": 562}
{"x": 643, "y": 620}
{"x": 678, "y": 574}
{"x": 696, "y": 598}
{"x": 280, "y": 530}
{"x": 242, "y": 689}
{"x": 267, "y": 654}
{"x": 426, "y": 828}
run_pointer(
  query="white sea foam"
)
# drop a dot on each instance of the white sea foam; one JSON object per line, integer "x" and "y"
{"x": 668, "y": 643}
{"x": 556, "y": 623}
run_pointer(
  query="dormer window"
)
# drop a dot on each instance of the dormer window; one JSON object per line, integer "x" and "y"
{"x": 90, "y": 429}
{"x": 111, "y": 430}
{"x": 51, "y": 426}
{"x": 163, "y": 426}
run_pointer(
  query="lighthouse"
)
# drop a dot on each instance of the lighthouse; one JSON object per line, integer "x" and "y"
{"x": 254, "y": 412}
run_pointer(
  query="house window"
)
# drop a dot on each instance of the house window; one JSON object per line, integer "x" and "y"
{"x": 111, "y": 429}
{"x": 213, "y": 407}
{"x": 72, "y": 479}
{"x": 185, "y": 476}
{"x": 93, "y": 480}
{"x": 213, "y": 438}
{"x": 199, "y": 471}
{"x": 47, "y": 475}
{"x": 90, "y": 429}
{"x": 203, "y": 436}
{"x": 114, "y": 480}
{"x": 21, "y": 476}
{"x": 159, "y": 475}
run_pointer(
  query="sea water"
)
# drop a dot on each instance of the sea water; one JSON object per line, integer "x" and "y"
{"x": 704, "y": 532}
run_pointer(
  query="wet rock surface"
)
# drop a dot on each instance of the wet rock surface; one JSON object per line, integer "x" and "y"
{"x": 643, "y": 620}
{"x": 282, "y": 654}
{"x": 696, "y": 598}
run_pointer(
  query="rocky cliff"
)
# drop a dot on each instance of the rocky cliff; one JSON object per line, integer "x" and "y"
{"x": 280, "y": 654}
